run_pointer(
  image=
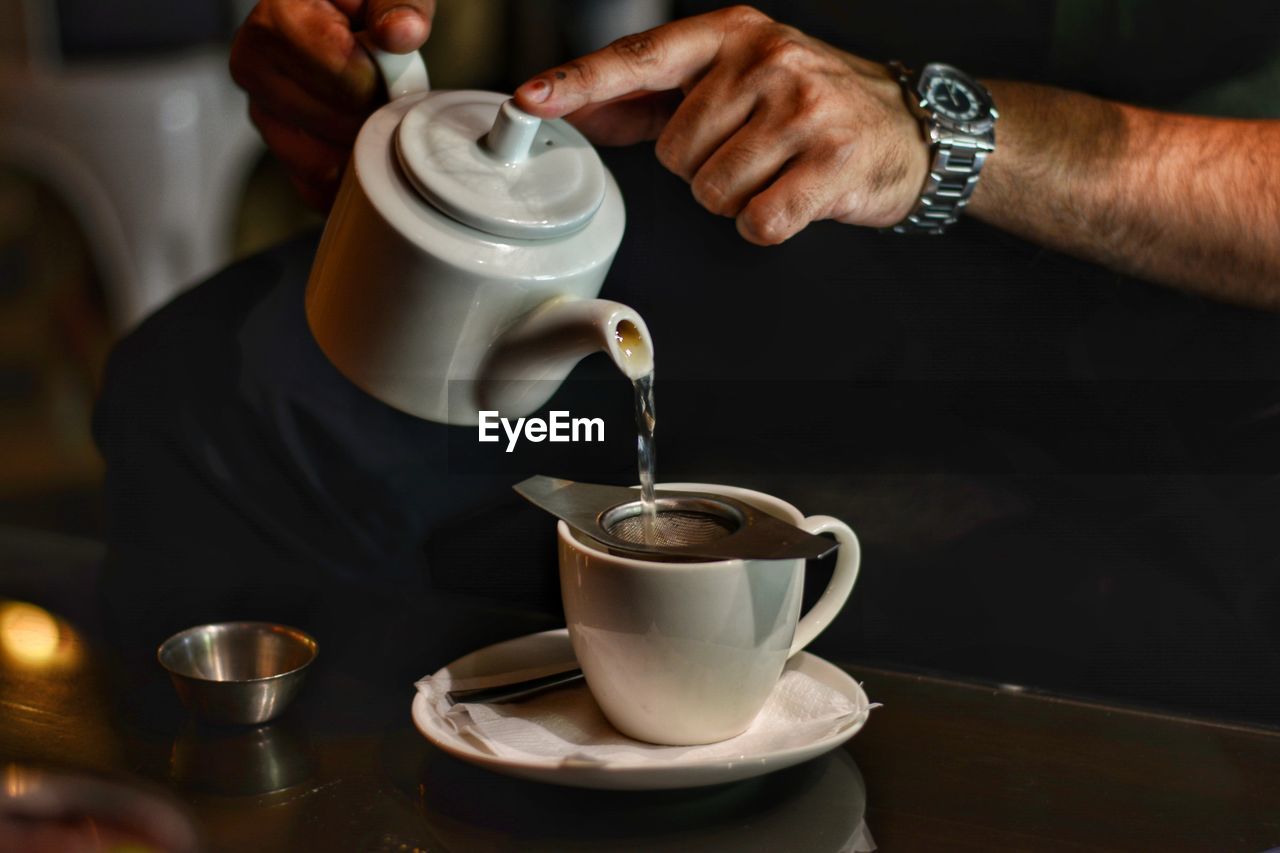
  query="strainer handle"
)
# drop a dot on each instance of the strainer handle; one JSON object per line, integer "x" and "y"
{"x": 848, "y": 559}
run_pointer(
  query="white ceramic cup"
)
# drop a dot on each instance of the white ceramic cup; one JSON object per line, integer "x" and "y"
{"x": 687, "y": 653}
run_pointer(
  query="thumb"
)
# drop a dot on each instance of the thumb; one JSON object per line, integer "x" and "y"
{"x": 399, "y": 26}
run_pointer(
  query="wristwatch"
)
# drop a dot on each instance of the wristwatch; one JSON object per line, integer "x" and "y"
{"x": 959, "y": 120}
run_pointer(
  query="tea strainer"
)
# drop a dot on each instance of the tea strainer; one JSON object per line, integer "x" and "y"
{"x": 690, "y": 526}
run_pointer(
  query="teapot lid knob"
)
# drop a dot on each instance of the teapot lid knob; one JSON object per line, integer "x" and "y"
{"x": 512, "y": 134}
{"x": 481, "y": 160}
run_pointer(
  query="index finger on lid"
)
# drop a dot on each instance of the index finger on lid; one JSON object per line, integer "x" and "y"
{"x": 667, "y": 57}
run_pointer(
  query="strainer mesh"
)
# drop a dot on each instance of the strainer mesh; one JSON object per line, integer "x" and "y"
{"x": 673, "y": 528}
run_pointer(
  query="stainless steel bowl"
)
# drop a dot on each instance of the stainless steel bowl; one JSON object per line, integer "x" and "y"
{"x": 241, "y": 673}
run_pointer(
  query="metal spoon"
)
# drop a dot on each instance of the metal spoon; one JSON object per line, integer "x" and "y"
{"x": 515, "y": 690}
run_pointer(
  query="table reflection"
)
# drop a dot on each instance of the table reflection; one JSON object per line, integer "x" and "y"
{"x": 239, "y": 761}
{"x": 818, "y": 806}
{"x": 947, "y": 764}
{"x": 59, "y": 812}
{"x": 52, "y": 699}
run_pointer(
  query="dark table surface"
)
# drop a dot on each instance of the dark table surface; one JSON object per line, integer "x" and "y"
{"x": 944, "y": 765}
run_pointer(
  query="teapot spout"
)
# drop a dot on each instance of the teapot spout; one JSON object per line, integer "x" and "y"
{"x": 531, "y": 358}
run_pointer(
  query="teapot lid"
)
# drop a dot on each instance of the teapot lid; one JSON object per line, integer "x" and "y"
{"x": 488, "y": 164}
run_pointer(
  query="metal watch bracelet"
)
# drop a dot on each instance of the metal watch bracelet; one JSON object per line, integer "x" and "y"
{"x": 957, "y": 161}
{"x": 952, "y": 177}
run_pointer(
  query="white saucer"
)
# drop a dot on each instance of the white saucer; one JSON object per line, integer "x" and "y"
{"x": 551, "y": 647}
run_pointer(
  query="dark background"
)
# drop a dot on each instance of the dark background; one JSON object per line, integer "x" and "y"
{"x": 1062, "y": 477}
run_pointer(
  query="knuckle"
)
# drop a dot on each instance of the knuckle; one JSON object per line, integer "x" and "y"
{"x": 676, "y": 138}
{"x": 810, "y": 99}
{"x": 785, "y": 48}
{"x": 778, "y": 220}
{"x": 838, "y": 149}
{"x": 694, "y": 110}
{"x": 257, "y": 21}
{"x": 712, "y": 195}
{"x": 638, "y": 49}
{"x": 743, "y": 15}
{"x": 803, "y": 205}
{"x": 584, "y": 74}
{"x": 668, "y": 152}
{"x": 329, "y": 43}
{"x": 764, "y": 224}
{"x": 741, "y": 156}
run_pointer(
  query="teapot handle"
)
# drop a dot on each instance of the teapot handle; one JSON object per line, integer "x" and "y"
{"x": 402, "y": 73}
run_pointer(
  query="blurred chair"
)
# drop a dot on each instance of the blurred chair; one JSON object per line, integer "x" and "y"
{"x": 591, "y": 24}
{"x": 147, "y": 142}
{"x": 543, "y": 34}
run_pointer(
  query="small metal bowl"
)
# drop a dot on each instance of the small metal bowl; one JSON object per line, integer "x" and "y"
{"x": 239, "y": 673}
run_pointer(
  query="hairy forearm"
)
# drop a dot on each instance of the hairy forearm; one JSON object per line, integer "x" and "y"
{"x": 1181, "y": 200}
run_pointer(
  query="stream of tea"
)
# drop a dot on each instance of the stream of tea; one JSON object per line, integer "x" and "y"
{"x": 645, "y": 422}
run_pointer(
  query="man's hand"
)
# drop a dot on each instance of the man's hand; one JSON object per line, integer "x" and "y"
{"x": 310, "y": 83}
{"x": 770, "y": 126}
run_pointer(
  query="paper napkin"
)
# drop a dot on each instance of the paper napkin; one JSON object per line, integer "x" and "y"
{"x": 567, "y": 726}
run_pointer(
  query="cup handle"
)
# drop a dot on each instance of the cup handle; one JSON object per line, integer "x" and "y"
{"x": 848, "y": 559}
{"x": 402, "y": 73}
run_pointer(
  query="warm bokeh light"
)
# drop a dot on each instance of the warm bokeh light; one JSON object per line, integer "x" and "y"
{"x": 17, "y": 780}
{"x": 34, "y": 637}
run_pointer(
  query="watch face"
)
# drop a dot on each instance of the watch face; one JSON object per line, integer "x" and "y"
{"x": 954, "y": 99}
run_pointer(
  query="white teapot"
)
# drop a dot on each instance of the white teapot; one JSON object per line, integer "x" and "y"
{"x": 459, "y": 264}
